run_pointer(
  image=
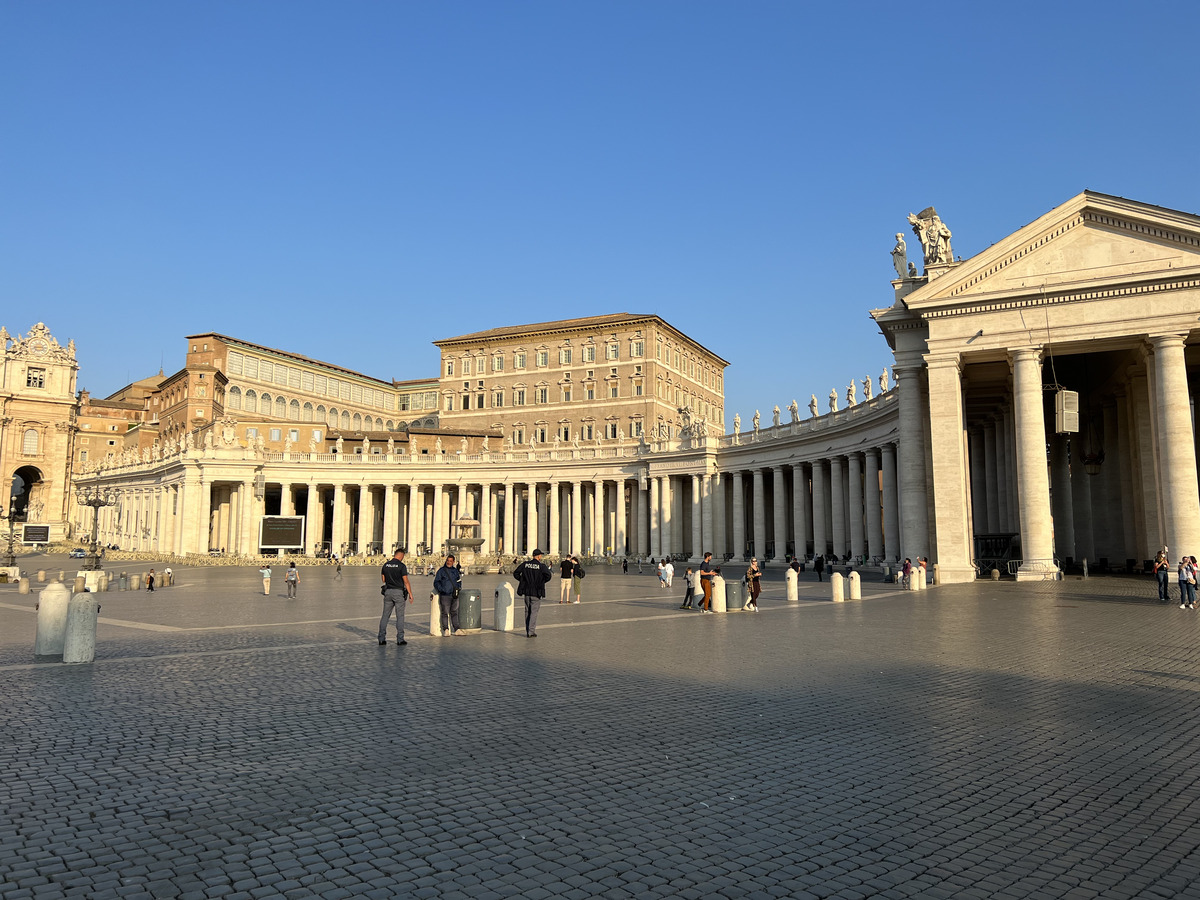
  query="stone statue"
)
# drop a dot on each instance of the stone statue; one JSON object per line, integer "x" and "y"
{"x": 867, "y": 383}
{"x": 755, "y": 421}
{"x": 812, "y": 406}
{"x": 557, "y": 440}
{"x": 833, "y": 399}
{"x": 686, "y": 415}
{"x": 775, "y": 416}
{"x": 934, "y": 236}
{"x": 737, "y": 423}
{"x": 337, "y": 445}
{"x": 912, "y": 270}
{"x": 883, "y": 381}
{"x": 391, "y": 446}
{"x": 208, "y": 440}
{"x": 366, "y": 446}
{"x": 191, "y": 440}
{"x": 462, "y": 445}
{"x": 895, "y": 377}
{"x": 485, "y": 444}
{"x": 260, "y": 443}
{"x": 851, "y": 393}
{"x": 312, "y": 445}
{"x": 900, "y": 256}
{"x": 156, "y": 452}
{"x": 287, "y": 444}
{"x": 794, "y": 411}
{"x": 437, "y": 445}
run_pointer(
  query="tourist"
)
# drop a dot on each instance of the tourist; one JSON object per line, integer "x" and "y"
{"x": 669, "y": 572}
{"x": 291, "y": 579}
{"x": 922, "y": 566}
{"x": 168, "y": 577}
{"x": 265, "y": 572}
{"x": 706, "y": 576}
{"x": 1162, "y": 565}
{"x": 531, "y": 577}
{"x": 577, "y": 575}
{"x": 819, "y": 567}
{"x": 624, "y": 565}
{"x": 689, "y": 580}
{"x": 754, "y": 583}
{"x": 906, "y": 574}
{"x": 566, "y": 568}
{"x": 395, "y": 590}
{"x": 662, "y": 574}
{"x": 150, "y": 582}
{"x": 1187, "y": 583}
{"x": 446, "y": 584}
{"x": 337, "y": 571}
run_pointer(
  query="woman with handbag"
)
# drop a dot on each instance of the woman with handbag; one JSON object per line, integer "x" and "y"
{"x": 754, "y": 583}
{"x": 1187, "y": 583}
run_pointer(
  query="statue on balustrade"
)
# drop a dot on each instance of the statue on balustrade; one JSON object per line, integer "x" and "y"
{"x": 867, "y": 384}
{"x": 812, "y": 406}
{"x": 883, "y": 381}
{"x": 794, "y": 411}
{"x": 851, "y": 393}
{"x": 775, "y": 416}
{"x": 900, "y": 256}
{"x": 833, "y": 398}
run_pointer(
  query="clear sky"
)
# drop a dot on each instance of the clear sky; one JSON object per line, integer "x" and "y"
{"x": 351, "y": 181}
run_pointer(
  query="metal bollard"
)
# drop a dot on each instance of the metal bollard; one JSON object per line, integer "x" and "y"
{"x": 504, "y": 611}
{"x": 791, "y": 578}
{"x": 53, "y": 601}
{"x": 82, "y": 615}
{"x": 836, "y": 591}
{"x": 855, "y": 586}
{"x": 719, "y": 602}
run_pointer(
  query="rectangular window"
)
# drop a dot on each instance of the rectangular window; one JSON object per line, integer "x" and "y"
{"x": 591, "y": 392}
{"x": 564, "y": 356}
{"x": 316, "y": 435}
{"x": 638, "y": 349}
{"x": 497, "y": 399}
{"x": 320, "y": 384}
{"x": 479, "y": 401}
{"x": 518, "y": 360}
{"x": 356, "y": 393}
{"x": 518, "y": 436}
{"x": 251, "y": 432}
{"x": 566, "y": 395}
{"x": 543, "y": 358}
{"x": 294, "y": 435}
{"x": 589, "y": 353}
{"x": 402, "y": 403}
{"x": 564, "y": 432}
{"x": 637, "y": 389}
{"x": 449, "y": 403}
{"x": 449, "y": 367}
{"x": 466, "y": 401}
{"x": 35, "y": 378}
{"x": 276, "y": 434}
{"x": 612, "y": 391}
{"x": 543, "y": 395}
{"x": 635, "y": 430}
{"x": 519, "y": 397}
{"x": 235, "y": 364}
{"x": 541, "y": 434}
{"x": 497, "y": 363}
{"x": 611, "y": 352}
{"x": 83, "y": 456}
{"x": 306, "y": 382}
{"x": 610, "y": 431}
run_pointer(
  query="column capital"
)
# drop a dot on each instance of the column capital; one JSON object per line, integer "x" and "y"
{"x": 1164, "y": 341}
{"x": 1025, "y": 354}
{"x": 944, "y": 361}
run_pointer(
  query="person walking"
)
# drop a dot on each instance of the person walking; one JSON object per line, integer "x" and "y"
{"x": 625, "y": 565}
{"x": 689, "y": 593}
{"x": 531, "y": 577}
{"x": 291, "y": 579}
{"x": 395, "y": 589}
{"x": 168, "y": 577}
{"x": 706, "y": 576}
{"x": 1162, "y": 565}
{"x": 906, "y": 574}
{"x": 1187, "y": 583}
{"x": 265, "y": 572}
{"x": 669, "y": 572}
{"x": 754, "y": 583}
{"x": 577, "y": 576}
{"x": 337, "y": 568}
{"x": 819, "y": 567}
{"x": 566, "y": 568}
{"x": 662, "y": 574}
{"x": 447, "y": 583}
{"x": 150, "y": 582}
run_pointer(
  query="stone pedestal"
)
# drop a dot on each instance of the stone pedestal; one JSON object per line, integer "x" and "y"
{"x": 83, "y": 613}
{"x": 718, "y": 594}
{"x": 836, "y": 588}
{"x": 855, "y": 586}
{"x": 505, "y": 609}
{"x": 435, "y": 614}
{"x": 791, "y": 578}
{"x": 53, "y": 602}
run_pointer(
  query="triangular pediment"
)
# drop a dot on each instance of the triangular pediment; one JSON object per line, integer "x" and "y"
{"x": 1091, "y": 242}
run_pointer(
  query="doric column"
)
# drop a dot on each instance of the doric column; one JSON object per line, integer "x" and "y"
{"x": 1010, "y": 432}
{"x": 668, "y": 525}
{"x": 366, "y": 518}
{"x": 198, "y": 494}
{"x": 697, "y": 517}
{"x": 619, "y": 542}
{"x": 576, "y": 517}
{"x": 720, "y": 530}
{"x": 1061, "y": 497}
{"x": 1176, "y": 446}
{"x": 554, "y": 503}
{"x": 485, "y": 518}
{"x": 914, "y": 509}
{"x": 978, "y": 482}
{"x": 416, "y": 517}
{"x": 312, "y": 532}
{"x": 1005, "y": 474}
{"x": 820, "y": 496}
{"x": 531, "y": 523}
{"x": 337, "y": 536}
{"x": 1142, "y": 427}
{"x": 1081, "y": 505}
{"x": 644, "y": 508}
{"x": 758, "y": 513}
{"x": 510, "y": 541}
{"x": 858, "y": 543}
{"x": 707, "y": 541}
{"x": 391, "y": 533}
{"x": 992, "y": 504}
{"x": 1110, "y": 537}
{"x": 838, "y": 506}
{"x": 779, "y": 507}
{"x": 437, "y": 530}
{"x": 1037, "y": 547}
{"x": 872, "y": 505}
{"x": 950, "y": 480}
{"x": 287, "y": 501}
{"x": 800, "y": 507}
{"x": 739, "y": 515}
{"x": 247, "y": 532}
{"x": 1127, "y": 470}
{"x": 598, "y": 517}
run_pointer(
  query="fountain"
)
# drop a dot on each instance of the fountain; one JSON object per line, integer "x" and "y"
{"x": 464, "y": 541}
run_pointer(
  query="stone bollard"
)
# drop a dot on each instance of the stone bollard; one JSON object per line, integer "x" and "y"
{"x": 62, "y": 576}
{"x": 82, "y": 615}
{"x": 135, "y": 582}
{"x": 855, "y": 586}
{"x": 435, "y": 614}
{"x": 80, "y": 584}
{"x": 995, "y": 574}
{"x": 41, "y": 576}
{"x": 505, "y": 609}
{"x": 918, "y": 578}
{"x": 887, "y": 574}
{"x": 937, "y": 574}
{"x": 102, "y": 582}
{"x": 53, "y": 601}
{"x": 791, "y": 578}
{"x": 124, "y": 582}
{"x": 836, "y": 591}
{"x": 718, "y": 604}
{"x": 23, "y": 586}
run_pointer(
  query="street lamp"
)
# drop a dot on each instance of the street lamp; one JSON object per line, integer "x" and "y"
{"x": 95, "y": 497}
{"x": 7, "y": 516}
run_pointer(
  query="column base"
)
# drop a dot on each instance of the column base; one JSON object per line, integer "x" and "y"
{"x": 953, "y": 575}
{"x": 1038, "y": 570}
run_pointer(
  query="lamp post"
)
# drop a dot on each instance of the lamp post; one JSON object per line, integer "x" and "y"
{"x": 6, "y": 516}
{"x": 95, "y": 497}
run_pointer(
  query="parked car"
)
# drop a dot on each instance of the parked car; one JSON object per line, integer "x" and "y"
{"x": 78, "y": 553}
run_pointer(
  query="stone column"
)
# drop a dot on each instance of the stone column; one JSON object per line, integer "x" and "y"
{"x": 858, "y": 544}
{"x": 577, "y": 517}
{"x": 992, "y": 505}
{"x": 738, "y": 501}
{"x": 247, "y": 533}
{"x": 1112, "y": 536}
{"x": 391, "y": 534}
{"x": 1143, "y": 440}
{"x": 1014, "y": 502}
{"x": 287, "y": 501}
{"x": 485, "y": 518}
{"x": 1180, "y": 497}
{"x": 312, "y": 534}
{"x": 510, "y": 544}
{"x": 619, "y": 541}
{"x": 1126, "y": 474}
{"x": 978, "y": 483}
{"x": 758, "y": 514}
{"x": 1004, "y": 474}
{"x": 952, "y": 491}
{"x": 1081, "y": 505}
{"x": 555, "y": 510}
{"x": 416, "y": 517}
{"x": 873, "y": 507}
{"x": 819, "y": 495}
{"x": 779, "y": 511}
{"x": 437, "y": 528}
{"x": 707, "y": 541}
{"x": 720, "y": 519}
{"x": 838, "y": 506}
{"x": 914, "y": 510}
{"x": 1061, "y": 497}
{"x": 1037, "y": 547}
{"x": 598, "y": 517}
{"x": 668, "y": 526}
{"x": 337, "y": 536}
{"x": 697, "y": 517}
{"x": 800, "y": 510}
{"x": 644, "y": 512}
{"x": 366, "y": 518}
{"x": 531, "y": 524}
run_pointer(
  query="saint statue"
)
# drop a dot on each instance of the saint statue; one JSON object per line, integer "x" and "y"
{"x": 867, "y": 383}
{"x": 851, "y": 393}
{"x": 833, "y": 399}
{"x": 312, "y": 445}
{"x": 463, "y": 444}
{"x": 794, "y": 410}
{"x": 557, "y": 440}
{"x": 812, "y": 406}
{"x": 737, "y": 423}
{"x": 934, "y": 236}
{"x": 391, "y": 446}
{"x": 287, "y": 444}
{"x": 883, "y": 381}
{"x": 208, "y": 440}
{"x": 755, "y": 421}
{"x": 366, "y": 446}
{"x": 337, "y": 445}
{"x": 900, "y": 256}
{"x": 485, "y": 444}
{"x": 437, "y": 445}
{"x": 775, "y": 416}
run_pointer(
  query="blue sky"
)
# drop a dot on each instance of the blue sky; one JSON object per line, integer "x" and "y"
{"x": 351, "y": 181}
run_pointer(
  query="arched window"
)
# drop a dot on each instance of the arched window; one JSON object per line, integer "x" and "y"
{"x": 332, "y": 421}
{"x": 251, "y": 400}
{"x": 390, "y": 425}
{"x": 358, "y": 425}
{"x": 234, "y": 398}
{"x": 264, "y": 404}
{"x": 307, "y": 414}
{"x": 280, "y": 408}
{"x": 345, "y": 421}
{"x": 29, "y": 446}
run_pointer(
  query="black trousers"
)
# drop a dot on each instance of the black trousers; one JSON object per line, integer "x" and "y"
{"x": 448, "y": 604}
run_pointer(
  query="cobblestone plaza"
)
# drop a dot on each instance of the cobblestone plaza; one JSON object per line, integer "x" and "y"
{"x": 991, "y": 740}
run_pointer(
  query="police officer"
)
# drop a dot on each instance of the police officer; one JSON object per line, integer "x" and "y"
{"x": 395, "y": 590}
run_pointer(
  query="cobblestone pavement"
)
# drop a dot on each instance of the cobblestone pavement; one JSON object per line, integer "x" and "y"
{"x": 1004, "y": 741}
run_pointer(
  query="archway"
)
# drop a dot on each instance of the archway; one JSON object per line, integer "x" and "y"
{"x": 26, "y": 503}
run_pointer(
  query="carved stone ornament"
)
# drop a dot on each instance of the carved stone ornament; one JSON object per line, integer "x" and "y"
{"x": 934, "y": 236}
{"x": 228, "y": 432}
{"x": 39, "y": 344}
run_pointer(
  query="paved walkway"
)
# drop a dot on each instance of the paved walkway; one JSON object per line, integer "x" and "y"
{"x": 984, "y": 741}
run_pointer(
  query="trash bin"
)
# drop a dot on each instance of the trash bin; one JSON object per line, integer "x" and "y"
{"x": 470, "y": 609}
{"x": 735, "y": 594}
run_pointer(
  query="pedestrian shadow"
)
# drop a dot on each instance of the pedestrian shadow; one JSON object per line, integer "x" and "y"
{"x": 357, "y": 630}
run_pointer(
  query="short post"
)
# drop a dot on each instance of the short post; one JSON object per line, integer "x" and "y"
{"x": 791, "y": 578}
{"x": 124, "y": 582}
{"x": 82, "y": 615}
{"x": 53, "y": 601}
{"x": 918, "y": 578}
{"x": 135, "y": 582}
{"x": 23, "y": 586}
{"x": 718, "y": 604}
{"x": 435, "y": 614}
{"x": 80, "y": 584}
{"x": 855, "y": 586}
{"x": 887, "y": 573}
{"x": 836, "y": 593}
{"x": 995, "y": 574}
{"x": 41, "y": 576}
{"x": 937, "y": 575}
{"x": 102, "y": 582}
{"x": 505, "y": 608}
